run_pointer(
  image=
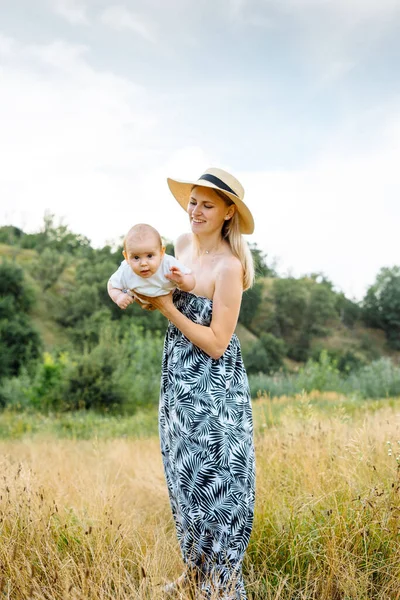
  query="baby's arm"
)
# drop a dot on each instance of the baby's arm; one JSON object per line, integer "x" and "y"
{"x": 184, "y": 282}
{"x": 122, "y": 299}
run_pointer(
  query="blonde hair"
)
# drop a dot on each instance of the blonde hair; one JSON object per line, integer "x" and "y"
{"x": 240, "y": 248}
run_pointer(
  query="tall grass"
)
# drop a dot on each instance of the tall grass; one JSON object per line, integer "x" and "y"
{"x": 88, "y": 424}
{"x": 90, "y": 519}
{"x": 77, "y": 425}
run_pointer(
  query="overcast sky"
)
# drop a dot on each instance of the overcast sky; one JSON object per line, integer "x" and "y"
{"x": 300, "y": 99}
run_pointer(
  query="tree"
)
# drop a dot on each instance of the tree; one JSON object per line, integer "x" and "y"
{"x": 321, "y": 307}
{"x": 19, "y": 341}
{"x": 48, "y": 267}
{"x": 348, "y": 310}
{"x": 381, "y": 305}
{"x": 303, "y": 308}
{"x": 255, "y": 358}
{"x": 58, "y": 238}
{"x": 10, "y": 235}
{"x": 13, "y": 289}
{"x": 251, "y": 300}
{"x": 264, "y": 355}
{"x": 290, "y": 298}
{"x": 276, "y": 351}
{"x": 260, "y": 262}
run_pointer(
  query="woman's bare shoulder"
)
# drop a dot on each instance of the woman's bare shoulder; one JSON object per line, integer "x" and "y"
{"x": 182, "y": 242}
{"x": 229, "y": 280}
{"x": 230, "y": 265}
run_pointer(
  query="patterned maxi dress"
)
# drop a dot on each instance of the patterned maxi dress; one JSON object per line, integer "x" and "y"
{"x": 206, "y": 434}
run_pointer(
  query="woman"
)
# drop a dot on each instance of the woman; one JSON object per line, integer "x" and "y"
{"x": 205, "y": 415}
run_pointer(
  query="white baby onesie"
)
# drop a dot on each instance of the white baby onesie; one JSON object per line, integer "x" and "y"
{"x": 155, "y": 285}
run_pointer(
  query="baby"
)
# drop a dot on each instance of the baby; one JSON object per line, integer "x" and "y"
{"x": 146, "y": 269}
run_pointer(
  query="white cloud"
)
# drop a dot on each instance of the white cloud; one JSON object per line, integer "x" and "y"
{"x": 334, "y": 71}
{"x": 120, "y": 18}
{"x": 83, "y": 144}
{"x": 332, "y": 36}
{"x": 63, "y": 56}
{"x": 91, "y": 146}
{"x": 351, "y": 10}
{"x": 73, "y": 11}
{"x": 340, "y": 215}
{"x": 74, "y": 140}
{"x": 7, "y": 46}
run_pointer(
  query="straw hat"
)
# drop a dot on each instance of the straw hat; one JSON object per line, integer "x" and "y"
{"x": 220, "y": 180}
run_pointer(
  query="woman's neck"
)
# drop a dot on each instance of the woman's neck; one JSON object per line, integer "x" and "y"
{"x": 209, "y": 244}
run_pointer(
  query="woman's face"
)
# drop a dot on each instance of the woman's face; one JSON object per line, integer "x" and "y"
{"x": 207, "y": 211}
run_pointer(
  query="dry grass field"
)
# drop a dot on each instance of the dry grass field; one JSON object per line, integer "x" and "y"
{"x": 90, "y": 519}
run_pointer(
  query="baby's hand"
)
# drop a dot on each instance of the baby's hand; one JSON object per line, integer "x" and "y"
{"x": 184, "y": 282}
{"x": 176, "y": 276}
{"x": 124, "y": 300}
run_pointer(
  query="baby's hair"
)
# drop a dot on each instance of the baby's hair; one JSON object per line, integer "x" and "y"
{"x": 140, "y": 231}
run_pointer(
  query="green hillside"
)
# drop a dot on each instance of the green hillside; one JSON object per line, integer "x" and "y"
{"x": 334, "y": 335}
{"x": 42, "y": 314}
{"x": 64, "y": 345}
{"x": 309, "y": 316}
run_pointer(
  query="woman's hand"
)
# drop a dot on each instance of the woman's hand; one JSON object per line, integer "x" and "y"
{"x": 162, "y": 303}
{"x": 143, "y": 301}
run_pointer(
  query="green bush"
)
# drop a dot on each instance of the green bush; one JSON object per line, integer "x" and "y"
{"x": 250, "y": 304}
{"x": 56, "y": 237}
{"x": 349, "y": 311}
{"x": 345, "y": 360}
{"x": 48, "y": 387}
{"x": 265, "y": 355}
{"x": 379, "y": 379}
{"x": 10, "y": 235}
{"x": 376, "y": 380}
{"x": 275, "y": 385}
{"x": 90, "y": 327}
{"x": 48, "y": 266}
{"x": 322, "y": 375}
{"x": 118, "y": 374}
{"x": 18, "y": 296}
{"x": 91, "y": 383}
{"x": 255, "y": 358}
{"x": 381, "y": 305}
{"x": 20, "y": 344}
{"x": 15, "y": 392}
{"x": 140, "y": 371}
{"x": 320, "y": 309}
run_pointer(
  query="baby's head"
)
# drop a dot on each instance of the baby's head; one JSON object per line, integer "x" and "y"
{"x": 143, "y": 250}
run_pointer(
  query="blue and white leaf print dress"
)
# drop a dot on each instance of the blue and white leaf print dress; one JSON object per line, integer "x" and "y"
{"x": 206, "y": 433}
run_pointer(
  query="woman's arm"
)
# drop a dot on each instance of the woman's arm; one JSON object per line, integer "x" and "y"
{"x": 227, "y": 298}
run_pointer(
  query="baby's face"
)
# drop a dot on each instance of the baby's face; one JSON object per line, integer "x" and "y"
{"x": 144, "y": 255}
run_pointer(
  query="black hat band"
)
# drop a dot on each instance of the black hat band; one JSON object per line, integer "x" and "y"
{"x": 219, "y": 183}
